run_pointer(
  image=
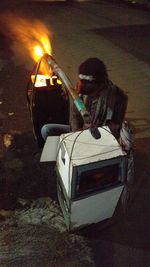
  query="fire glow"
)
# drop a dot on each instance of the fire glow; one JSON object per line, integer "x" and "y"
{"x": 34, "y": 35}
{"x": 38, "y": 51}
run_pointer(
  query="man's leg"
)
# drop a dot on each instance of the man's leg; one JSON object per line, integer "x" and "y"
{"x": 54, "y": 129}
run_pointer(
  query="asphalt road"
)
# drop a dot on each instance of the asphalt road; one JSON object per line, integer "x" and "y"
{"x": 119, "y": 35}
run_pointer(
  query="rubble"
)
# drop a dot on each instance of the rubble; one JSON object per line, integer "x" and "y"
{"x": 33, "y": 231}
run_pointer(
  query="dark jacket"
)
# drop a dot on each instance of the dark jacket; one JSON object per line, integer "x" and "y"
{"x": 107, "y": 107}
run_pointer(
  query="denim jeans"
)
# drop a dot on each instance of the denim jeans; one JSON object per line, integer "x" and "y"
{"x": 54, "y": 129}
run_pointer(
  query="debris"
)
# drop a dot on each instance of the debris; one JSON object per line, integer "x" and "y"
{"x": 7, "y": 139}
{"x": 42, "y": 211}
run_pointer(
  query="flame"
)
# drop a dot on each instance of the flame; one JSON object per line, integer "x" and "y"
{"x": 38, "y": 51}
{"x": 30, "y": 35}
{"x": 33, "y": 35}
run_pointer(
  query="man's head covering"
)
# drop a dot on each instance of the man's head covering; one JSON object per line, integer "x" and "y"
{"x": 93, "y": 69}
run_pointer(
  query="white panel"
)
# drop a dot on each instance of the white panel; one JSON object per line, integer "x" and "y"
{"x": 84, "y": 149}
{"x": 49, "y": 151}
{"x": 95, "y": 208}
{"x": 65, "y": 171}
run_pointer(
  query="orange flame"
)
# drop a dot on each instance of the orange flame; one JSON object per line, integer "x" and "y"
{"x": 38, "y": 52}
{"x": 33, "y": 35}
